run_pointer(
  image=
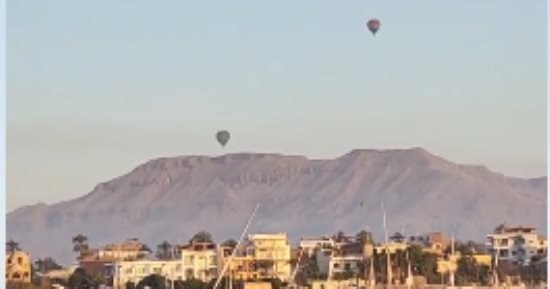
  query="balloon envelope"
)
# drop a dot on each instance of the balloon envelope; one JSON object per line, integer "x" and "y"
{"x": 373, "y": 25}
{"x": 222, "y": 137}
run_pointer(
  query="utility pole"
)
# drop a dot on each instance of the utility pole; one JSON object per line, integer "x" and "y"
{"x": 388, "y": 259}
{"x": 453, "y": 265}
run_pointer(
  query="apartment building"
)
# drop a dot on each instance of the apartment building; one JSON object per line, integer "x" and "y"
{"x": 18, "y": 266}
{"x": 134, "y": 271}
{"x": 272, "y": 255}
{"x": 309, "y": 245}
{"x": 519, "y": 245}
{"x": 200, "y": 261}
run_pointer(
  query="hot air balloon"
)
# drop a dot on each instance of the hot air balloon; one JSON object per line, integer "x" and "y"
{"x": 373, "y": 25}
{"x": 222, "y": 137}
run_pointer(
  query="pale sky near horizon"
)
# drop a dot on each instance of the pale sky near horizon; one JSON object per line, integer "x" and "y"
{"x": 95, "y": 88}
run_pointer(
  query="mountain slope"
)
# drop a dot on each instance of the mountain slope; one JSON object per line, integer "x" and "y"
{"x": 172, "y": 198}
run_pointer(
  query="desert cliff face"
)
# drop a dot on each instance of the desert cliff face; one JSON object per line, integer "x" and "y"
{"x": 172, "y": 198}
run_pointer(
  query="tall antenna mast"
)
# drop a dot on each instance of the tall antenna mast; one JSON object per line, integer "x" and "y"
{"x": 388, "y": 259}
{"x": 238, "y": 243}
{"x": 452, "y": 275}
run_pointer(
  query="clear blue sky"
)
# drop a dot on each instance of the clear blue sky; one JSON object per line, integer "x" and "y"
{"x": 98, "y": 87}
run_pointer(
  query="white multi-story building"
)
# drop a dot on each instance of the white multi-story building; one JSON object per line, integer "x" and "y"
{"x": 135, "y": 271}
{"x": 347, "y": 258}
{"x": 308, "y": 245}
{"x": 517, "y": 244}
{"x": 197, "y": 261}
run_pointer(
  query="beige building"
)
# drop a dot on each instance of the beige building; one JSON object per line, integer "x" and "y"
{"x": 200, "y": 261}
{"x": 391, "y": 247}
{"x": 272, "y": 255}
{"x": 257, "y": 285}
{"x": 517, "y": 244}
{"x": 263, "y": 256}
{"x": 129, "y": 250}
{"x": 18, "y": 267}
{"x": 337, "y": 284}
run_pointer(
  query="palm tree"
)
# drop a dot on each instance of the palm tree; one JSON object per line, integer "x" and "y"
{"x": 12, "y": 246}
{"x": 164, "y": 251}
{"x": 397, "y": 237}
{"x": 230, "y": 243}
{"x": 340, "y": 236}
{"x": 201, "y": 237}
{"x": 500, "y": 228}
{"x": 47, "y": 264}
{"x": 265, "y": 265}
{"x": 80, "y": 244}
{"x": 144, "y": 251}
{"x": 364, "y": 237}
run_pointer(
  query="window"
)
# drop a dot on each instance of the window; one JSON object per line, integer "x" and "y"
{"x": 347, "y": 266}
{"x": 189, "y": 274}
{"x": 212, "y": 272}
{"x": 188, "y": 260}
{"x": 26, "y": 274}
{"x": 19, "y": 260}
{"x": 504, "y": 253}
{"x": 9, "y": 260}
{"x": 336, "y": 265}
{"x": 128, "y": 271}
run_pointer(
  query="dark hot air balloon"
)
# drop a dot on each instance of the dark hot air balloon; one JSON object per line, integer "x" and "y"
{"x": 373, "y": 25}
{"x": 222, "y": 137}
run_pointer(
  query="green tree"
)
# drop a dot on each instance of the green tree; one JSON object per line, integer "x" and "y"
{"x": 12, "y": 246}
{"x": 500, "y": 228}
{"x": 399, "y": 265}
{"x": 340, "y": 236}
{"x": 276, "y": 283}
{"x": 81, "y": 280}
{"x": 202, "y": 237}
{"x": 308, "y": 270}
{"x": 230, "y": 243}
{"x": 46, "y": 265}
{"x": 130, "y": 285}
{"x": 164, "y": 251}
{"x": 194, "y": 284}
{"x": 80, "y": 244}
{"x": 265, "y": 266}
{"x": 423, "y": 263}
{"x": 484, "y": 275}
{"x": 364, "y": 237}
{"x": 397, "y": 237}
{"x": 154, "y": 281}
{"x": 467, "y": 271}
